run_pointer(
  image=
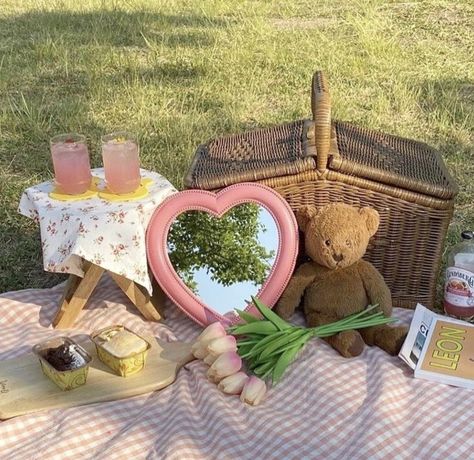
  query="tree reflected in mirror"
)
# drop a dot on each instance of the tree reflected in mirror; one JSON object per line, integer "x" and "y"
{"x": 237, "y": 250}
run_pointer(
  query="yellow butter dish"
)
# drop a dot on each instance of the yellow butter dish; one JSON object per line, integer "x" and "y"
{"x": 64, "y": 362}
{"x": 121, "y": 349}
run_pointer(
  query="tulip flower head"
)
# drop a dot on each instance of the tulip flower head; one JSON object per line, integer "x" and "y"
{"x": 226, "y": 364}
{"x": 233, "y": 384}
{"x": 213, "y": 331}
{"x": 254, "y": 390}
{"x": 222, "y": 344}
{"x": 209, "y": 359}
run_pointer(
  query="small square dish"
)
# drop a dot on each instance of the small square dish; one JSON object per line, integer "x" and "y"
{"x": 121, "y": 349}
{"x": 64, "y": 362}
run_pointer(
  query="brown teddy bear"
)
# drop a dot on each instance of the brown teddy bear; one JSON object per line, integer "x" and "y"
{"x": 337, "y": 281}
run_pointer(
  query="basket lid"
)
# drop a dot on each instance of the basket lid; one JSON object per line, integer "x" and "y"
{"x": 288, "y": 149}
{"x": 252, "y": 156}
{"x": 391, "y": 160}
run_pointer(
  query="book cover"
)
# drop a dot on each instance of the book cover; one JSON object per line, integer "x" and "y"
{"x": 448, "y": 354}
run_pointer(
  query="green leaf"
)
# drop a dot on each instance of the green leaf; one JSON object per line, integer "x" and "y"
{"x": 283, "y": 362}
{"x": 266, "y": 373}
{"x": 281, "y": 341}
{"x": 256, "y": 361}
{"x": 250, "y": 337}
{"x": 244, "y": 349}
{"x": 263, "y": 342}
{"x": 271, "y": 315}
{"x": 258, "y": 327}
{"x": 300, "y": 341}
{"x": 289, "y": 345}
{"x": 267, "y": 366}
{"x": 257, "y": 347}
{"x": 244, "y": 340}
{"x": 247, "y": 316}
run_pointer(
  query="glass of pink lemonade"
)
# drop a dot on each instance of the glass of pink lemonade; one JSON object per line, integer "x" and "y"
{"x": 121, "y": 162}
{"x": 72, "y": 170}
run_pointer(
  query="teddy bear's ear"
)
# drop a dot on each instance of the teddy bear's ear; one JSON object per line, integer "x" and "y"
{"x": 304, "y": 214}
{"x": 372, "y": 219}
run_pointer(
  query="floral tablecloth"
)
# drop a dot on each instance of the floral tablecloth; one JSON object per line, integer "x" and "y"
{"x": 108, "y": 234}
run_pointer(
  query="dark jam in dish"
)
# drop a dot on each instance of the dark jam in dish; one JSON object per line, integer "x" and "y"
{"x": 65, "y": 357}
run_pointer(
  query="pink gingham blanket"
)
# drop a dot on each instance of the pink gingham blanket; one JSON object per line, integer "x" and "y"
{"x": 326, "y": 406}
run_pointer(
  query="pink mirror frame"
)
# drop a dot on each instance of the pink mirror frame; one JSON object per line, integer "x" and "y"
{"x": 218, "y": 204}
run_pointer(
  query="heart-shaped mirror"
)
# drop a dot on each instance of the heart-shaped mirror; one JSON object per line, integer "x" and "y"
{"x": 233, "y": 265}
{"x": 211, "y": 252}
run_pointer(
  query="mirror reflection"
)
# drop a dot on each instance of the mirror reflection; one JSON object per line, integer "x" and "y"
{"x": 226, "y": 260}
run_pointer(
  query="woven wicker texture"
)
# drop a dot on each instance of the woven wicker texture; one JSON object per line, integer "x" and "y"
{"x": 407, "y": 246}
{"x": 404, "y": 180}
{"x": 284, "y": 150}
{"x": 251, "y": 156}
{"x": 391, "y": 160}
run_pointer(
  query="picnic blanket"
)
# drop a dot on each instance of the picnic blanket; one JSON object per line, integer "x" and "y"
{"x": 326, "y": 406}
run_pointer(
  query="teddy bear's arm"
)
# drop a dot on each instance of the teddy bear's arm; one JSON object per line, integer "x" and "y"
{"x": 375, "y": 287}
{"x": 291, "y": 297}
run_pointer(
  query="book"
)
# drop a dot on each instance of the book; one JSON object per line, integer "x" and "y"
{"x": 448, "y": 354}
{"x": 440, "y": 348}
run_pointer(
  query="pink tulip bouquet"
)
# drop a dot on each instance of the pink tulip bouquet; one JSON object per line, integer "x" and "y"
{"x": 268, "y": 345}
{"x": 219, "y": 350}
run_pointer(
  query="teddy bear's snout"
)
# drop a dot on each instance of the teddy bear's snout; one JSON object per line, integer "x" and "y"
{"x": 337, "y": 257}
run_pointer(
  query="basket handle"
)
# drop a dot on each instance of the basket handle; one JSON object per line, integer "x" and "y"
{"x": 321, "y": 108}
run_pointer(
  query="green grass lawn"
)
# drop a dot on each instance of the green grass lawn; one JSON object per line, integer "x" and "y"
{"x": 179, "y": 72}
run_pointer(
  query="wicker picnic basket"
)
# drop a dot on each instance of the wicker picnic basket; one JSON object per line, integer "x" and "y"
{"x": 320, "y": 161}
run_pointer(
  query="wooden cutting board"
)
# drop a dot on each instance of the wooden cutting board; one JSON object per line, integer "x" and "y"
{"x": 25, "y": 389}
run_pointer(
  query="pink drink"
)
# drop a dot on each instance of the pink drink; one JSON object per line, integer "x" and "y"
{"x": 72, "y": 170}
{"x": 121, "y": 163}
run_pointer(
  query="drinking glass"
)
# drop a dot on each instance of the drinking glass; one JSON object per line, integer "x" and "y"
{"x": 121, "y": 162}
{"x": 72, "y": 170}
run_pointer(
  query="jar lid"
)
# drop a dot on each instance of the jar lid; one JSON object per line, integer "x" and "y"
{"x": 467, "y": 235}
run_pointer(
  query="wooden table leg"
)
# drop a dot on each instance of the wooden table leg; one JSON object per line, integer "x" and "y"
{"x": 139, "y": 297}
{"x": 76, "y": 294}
{"x": 78, "y": 290}
{"x": 159, "y": 298}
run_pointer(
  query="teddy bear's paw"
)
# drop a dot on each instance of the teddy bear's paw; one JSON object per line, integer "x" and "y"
{"x": 390, "y": 339}
{"x": 348, "y": 343}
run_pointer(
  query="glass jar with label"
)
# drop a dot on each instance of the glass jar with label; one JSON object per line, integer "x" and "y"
{"x": 459, "y": 285}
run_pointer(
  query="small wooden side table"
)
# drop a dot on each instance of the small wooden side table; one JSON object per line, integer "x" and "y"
{"x": 78, "y": 291}
{"x": 87, "y": 237}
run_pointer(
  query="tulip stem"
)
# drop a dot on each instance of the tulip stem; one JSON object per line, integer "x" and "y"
{"x": 270, "y": 344}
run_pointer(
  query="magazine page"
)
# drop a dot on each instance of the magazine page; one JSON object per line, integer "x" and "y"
{"x": 448, "y": 353}
{"x": 419, "y": 327}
